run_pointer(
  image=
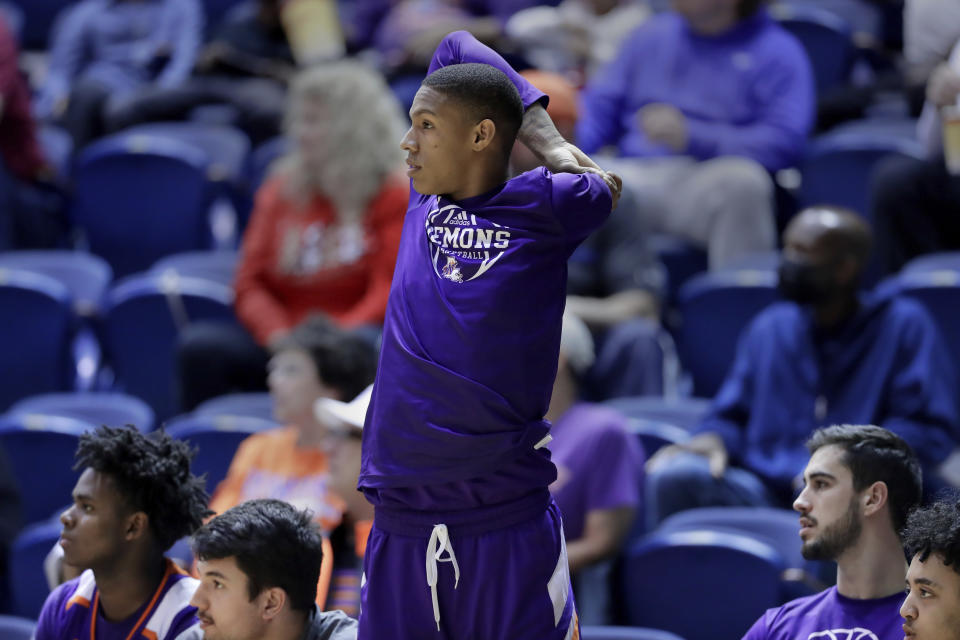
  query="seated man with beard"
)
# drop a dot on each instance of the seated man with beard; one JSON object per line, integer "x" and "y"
{"x": 860, "y": 484}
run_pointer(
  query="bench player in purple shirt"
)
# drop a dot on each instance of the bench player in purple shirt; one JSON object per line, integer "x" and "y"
{"x": 931, "y": 610}
{"x": 861, "y": 482}
{"x": 466, "y": 541}
{"x": 135, "y": 498}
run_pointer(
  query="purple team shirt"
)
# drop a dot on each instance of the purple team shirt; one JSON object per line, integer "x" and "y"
{"x": 831, "y": 616}
{"x": 599, "y": 464}
{"x": 67, "y": 612}
{"x": 472, "y": 332}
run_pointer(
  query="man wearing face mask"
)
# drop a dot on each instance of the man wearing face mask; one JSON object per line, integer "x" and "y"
{"x": 828, "y": 354}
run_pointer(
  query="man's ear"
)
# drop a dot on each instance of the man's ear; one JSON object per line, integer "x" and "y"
{"x": 482, "y": 134}
{"x": 272, "y": 601}
{"x": 874, "y": 498}
{"x": 136, "y": 525}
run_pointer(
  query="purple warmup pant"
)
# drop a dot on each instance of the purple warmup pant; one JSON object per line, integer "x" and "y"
{"x": 514, "y": 580}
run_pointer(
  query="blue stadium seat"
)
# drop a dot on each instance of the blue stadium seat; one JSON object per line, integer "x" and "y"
{"x": 26, "y": 566}
{"x": 218, "y": 266}
{"x": 938, "y": 291}
{"x": 85, "y": 275}
{"x": 41, "y": 451}
{"x": 38, "y": 19}
{"x": 181, "y": 553}
{"x": 827, "y": 39}
{"x": 264, "y": 156}
{"x": 839, "y": 164}
{"x": 778, "y": 528}
{"x": 685, "y": 413}
{"x": 625, "y": 633}
{"x": 681, "y": 259}
{"x": 727, "y": 581}
{"x": 227, "y": 148}
{"x": 758, "y": 261}
{"x": 16, "y": 628}
{"x": 36, "y": 324}
{"x": 144, "y": 316}
{"x": 654, "y": 434}
{"x": 945, "y": 261}
{"x": 140, "y": 197}
{"x": 112, "y": 409}
{"x": 216, "y": 440}
{"x": 886, "y": 127}
{"x": 246, "y": 405}
{"x": 715, "y": 307}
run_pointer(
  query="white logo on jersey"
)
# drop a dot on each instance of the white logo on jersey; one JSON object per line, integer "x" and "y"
{"x": 857, "y": 633}
{"x": 462, "y": 247}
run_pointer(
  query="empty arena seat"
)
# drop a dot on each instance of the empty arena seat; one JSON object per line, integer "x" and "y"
{"x": 704, "y": 566}
{"x": 27, "y": 554}
{"x": 41, "y": 451}
{"x": 715, "y": 307}
{"x": 36, "y": 325}
{"x": 112, "y": 409}
{"x": 139, "y": 197}
{"x": 144, "y": 316}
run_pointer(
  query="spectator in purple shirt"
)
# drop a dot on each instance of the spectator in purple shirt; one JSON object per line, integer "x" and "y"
{"x": 703, "y": 103}
{"x": 931, "y": 610}
{"x": 861, "y": 482}
{"x": 104, "y": 50}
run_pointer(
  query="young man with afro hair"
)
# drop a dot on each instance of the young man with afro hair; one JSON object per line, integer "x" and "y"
{"x": 133, "y": 500}
{"x": 931, "y": 610}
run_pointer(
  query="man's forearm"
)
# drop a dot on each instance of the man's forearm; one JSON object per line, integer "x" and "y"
{"x": 537, "y": 132}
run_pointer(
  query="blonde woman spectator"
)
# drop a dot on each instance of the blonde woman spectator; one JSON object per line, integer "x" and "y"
{"x": 324, "y": 231}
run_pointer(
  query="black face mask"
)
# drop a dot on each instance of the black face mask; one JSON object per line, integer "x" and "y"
{"x": 804, "y": 283}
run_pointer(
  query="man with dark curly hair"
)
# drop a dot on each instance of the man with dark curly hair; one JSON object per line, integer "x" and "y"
{"x": 135, "y": 498}
{"x": 931, "y": 610}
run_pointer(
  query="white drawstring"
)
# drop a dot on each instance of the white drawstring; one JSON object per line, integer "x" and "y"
{"x": 439, "y": 542}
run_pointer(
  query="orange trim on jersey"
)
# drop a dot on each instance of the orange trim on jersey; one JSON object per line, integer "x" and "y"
{"x": 149, "y": 635}
{"x": 170, "y": 570}
{"x": 80, "y": 600}
{"x": 576, "y": 626}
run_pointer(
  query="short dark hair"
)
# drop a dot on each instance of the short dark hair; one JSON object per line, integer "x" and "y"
{"x": 344, "y": 360}
{"x": 935, "y": 529}
{"x": 874, "y": 454}
{"x": 152, "y": 474}
{"x": 486, "y": 92}
{"x": 274, "y": 544}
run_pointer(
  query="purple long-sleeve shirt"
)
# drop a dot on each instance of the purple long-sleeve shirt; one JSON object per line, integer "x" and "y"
{"x": 747, "y": 92}
{"x": 472, "y": 331}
